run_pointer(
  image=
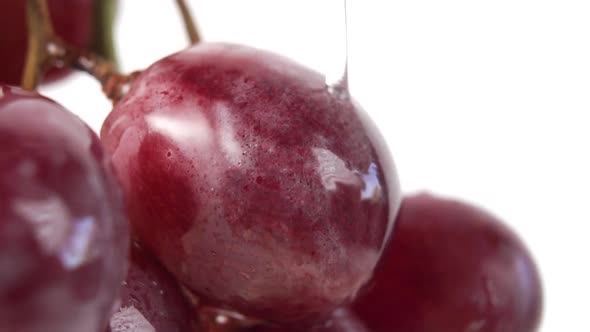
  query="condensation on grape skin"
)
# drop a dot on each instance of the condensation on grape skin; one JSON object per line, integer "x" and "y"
{"x": 152, "y": 295}
{"x": 260, "y": 183}
{"x": 129, "y": 319}
{"x": 278, "y": 64}
{"x": 228, "y": 143}
{"x": 285, "y": 268}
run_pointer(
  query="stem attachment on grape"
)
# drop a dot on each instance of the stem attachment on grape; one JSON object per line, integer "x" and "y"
{"x": 46, "y": 50}
{"x": 189, "y": 22}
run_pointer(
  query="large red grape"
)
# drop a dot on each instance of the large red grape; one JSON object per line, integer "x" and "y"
{"x": 72, "y": 19}
{"x": 452, "y": 267}
{"x": 151, "y": 298}
{"x": 255, "y": 185}
{"x": 63, "y": 235}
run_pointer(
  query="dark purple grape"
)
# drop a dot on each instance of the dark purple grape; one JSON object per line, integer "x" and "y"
{"x": 151, "y": 298}
{"x": 256, "y": 186}
{"x": 452, "y": 267}
{"x": 63, "y": 235}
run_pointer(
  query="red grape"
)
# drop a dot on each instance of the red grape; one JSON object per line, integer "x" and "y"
{"x": 63, "y": 235}
{"x": 452, "y": 267}
{"x": 72, "y": 19}
{"x": 151, "y": 297}
{"x": 255, "y": 186}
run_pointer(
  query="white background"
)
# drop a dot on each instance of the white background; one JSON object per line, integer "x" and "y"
{"x": 488, "y": 101}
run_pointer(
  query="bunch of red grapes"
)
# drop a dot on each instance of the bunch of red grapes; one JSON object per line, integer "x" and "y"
{"x": 231, "y": 190}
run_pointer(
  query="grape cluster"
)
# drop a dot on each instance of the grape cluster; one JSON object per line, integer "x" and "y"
{"x": 230, "y": 190}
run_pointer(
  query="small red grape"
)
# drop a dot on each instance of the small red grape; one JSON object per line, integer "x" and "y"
{"x": 63, "y": 235}
{"x": 256, "y": 186}
{"x": 452, "y": 267}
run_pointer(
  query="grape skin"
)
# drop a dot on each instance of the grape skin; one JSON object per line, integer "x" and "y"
{"x": 63, "y": 231}
{"x": 152, "y": 297}
{"x": 452, "y": 267}
{"x": 254, "y": 185}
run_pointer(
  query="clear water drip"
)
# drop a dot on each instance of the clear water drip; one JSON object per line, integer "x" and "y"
{"x": 337, "y": 78}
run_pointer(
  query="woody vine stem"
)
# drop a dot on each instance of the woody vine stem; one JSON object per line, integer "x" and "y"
{"x": 47, "y": 50}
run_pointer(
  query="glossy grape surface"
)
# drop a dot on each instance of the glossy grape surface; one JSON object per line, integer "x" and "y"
{"x": 452, "y": 267}
{"x": 151, "y": 298}
{"x": 257, "y": 187}
{"x": 63, "y": 235}
{"x": 72, "y": 20}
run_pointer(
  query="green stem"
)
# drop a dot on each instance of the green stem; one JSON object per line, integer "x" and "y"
{"x": 104, "y": 41}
